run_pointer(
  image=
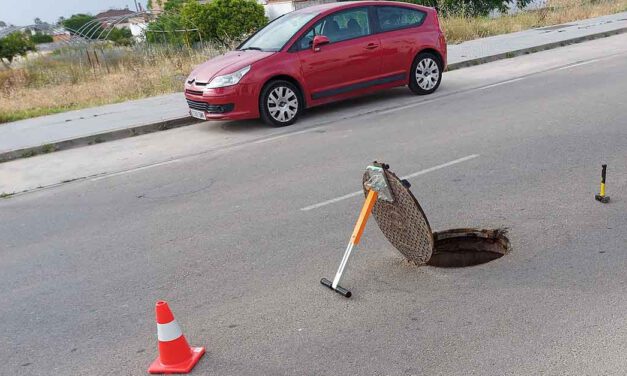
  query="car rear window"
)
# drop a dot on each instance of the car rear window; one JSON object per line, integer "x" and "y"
{"x": 394, "y": 18}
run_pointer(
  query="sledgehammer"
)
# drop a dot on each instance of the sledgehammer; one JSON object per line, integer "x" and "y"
{"x": 354, "y": 240}
{"x": 601, "y": 196}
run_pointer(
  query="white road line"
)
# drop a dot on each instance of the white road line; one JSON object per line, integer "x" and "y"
{"x": 416, "y": 104}
{"x": 421, "y": 172}
{"x": 286, "y": 134}
{"x": 500, "y": 83}
{"x": 578, "y": 64}
{"x": 134, "y": 170}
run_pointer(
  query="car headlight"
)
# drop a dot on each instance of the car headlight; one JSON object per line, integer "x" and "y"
{"x": 228, "y": 79}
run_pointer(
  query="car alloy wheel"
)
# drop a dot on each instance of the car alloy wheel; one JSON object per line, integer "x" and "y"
{"x": 427, "y": 73}
{"x": 282, "y": 104}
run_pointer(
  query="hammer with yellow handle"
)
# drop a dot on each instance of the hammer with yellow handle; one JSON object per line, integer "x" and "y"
{"x": 601, "y": 196}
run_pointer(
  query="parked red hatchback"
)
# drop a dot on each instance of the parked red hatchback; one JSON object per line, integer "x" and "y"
{"x": 318, "y": 55}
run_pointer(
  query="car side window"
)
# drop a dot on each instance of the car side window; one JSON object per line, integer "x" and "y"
{"x": 394, "y": 18}
{"x": 306, "y": 40}
{"x": 348, "y": 24}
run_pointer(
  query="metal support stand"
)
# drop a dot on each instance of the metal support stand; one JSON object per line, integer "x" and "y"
{"x": 354, "y": 240}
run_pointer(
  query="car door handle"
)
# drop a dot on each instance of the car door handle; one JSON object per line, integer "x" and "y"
{"x": 371, "y": 46}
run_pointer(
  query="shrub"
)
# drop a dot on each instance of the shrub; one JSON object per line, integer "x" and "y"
{"x": 122, "y": 37}
{"x": 167, "y": 29}
{"x": 78, "y": 21}
{"x": 15, "y": 44}
{"x": 39, "y": 38}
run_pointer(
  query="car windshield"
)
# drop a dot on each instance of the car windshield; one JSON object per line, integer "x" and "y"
{"x": 274, "y": 36}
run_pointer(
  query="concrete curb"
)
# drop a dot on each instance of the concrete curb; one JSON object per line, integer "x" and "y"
{"x": 116, "y": 134}
{"x": 530, "y": 50}
{"x": 187, "y": 120}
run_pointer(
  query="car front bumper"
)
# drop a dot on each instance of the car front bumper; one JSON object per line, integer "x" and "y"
{"x": 228, "y": 103}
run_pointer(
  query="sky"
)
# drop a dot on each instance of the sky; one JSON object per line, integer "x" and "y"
{"x": 23, "y": 12}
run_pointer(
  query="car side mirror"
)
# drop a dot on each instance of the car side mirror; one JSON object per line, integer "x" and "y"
{"x": 319, "y": 40}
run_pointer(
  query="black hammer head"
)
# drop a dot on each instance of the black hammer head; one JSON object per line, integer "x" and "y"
{"x": 603, "y": 199}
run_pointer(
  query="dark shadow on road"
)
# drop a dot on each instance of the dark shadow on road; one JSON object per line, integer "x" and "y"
{"x": 374, "y": 98}
{"x": 311, "y": 114}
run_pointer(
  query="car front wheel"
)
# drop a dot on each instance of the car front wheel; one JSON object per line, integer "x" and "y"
{"x": 280, "y": 103}
{"x": 426, "y": 74}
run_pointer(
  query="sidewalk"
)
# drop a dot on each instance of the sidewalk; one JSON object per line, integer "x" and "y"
{"x": 484, "y": 50}
{"x": 92, "y": 125}
{"x": 110, "y": 122}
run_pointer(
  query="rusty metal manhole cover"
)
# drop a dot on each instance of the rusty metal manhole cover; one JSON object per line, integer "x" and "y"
{"x": 403, "y": 222}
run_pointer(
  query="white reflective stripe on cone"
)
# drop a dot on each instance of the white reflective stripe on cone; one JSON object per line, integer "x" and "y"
{"x": 168, "y": 332}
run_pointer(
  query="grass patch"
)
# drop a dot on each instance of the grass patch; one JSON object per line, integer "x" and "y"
{"x": 6, "y": 195}
{"x": 77, "y": 78}
{"x": 48, "y": 148}
{"x": 69, "y": 80}
{"x": 461, "y": 28}
{"x": 28, "y": 154}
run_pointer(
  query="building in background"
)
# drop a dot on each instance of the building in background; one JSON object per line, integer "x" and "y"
{"x": 118, "y": 18}
{"x": 58, "y": 33}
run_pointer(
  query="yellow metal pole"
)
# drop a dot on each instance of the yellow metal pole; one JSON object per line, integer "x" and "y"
{"x": 363, "y": 216}
{"x": 356, "y": 236}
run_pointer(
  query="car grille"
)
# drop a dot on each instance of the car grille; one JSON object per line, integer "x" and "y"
{"x": 193, "y": 92}
{"x": 210, "y": 108}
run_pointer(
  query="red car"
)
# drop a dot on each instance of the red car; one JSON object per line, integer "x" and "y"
{"x": 318, "y": 55}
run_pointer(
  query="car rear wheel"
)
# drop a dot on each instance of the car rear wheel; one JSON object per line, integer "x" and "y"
{"x": 426, "y": 74}
{"x": 280, "y": 103}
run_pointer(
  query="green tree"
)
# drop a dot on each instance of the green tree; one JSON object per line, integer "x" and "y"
{"x": 167, "y": 29}
{"x": 221, "y": 21}
{"x": 175, "y": 5}
{"x": 39, "y": 38}
{"x": 14, "y": 44}
{"x": 77, "y": 21}
{"x": 234, "y": 19}
{"x": 470, "y": 7}
{"x": 198, "y": 16}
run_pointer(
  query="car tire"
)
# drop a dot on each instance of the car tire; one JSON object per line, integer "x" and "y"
{"x": 280, "y": 103}
{"x": 426, "y": 74}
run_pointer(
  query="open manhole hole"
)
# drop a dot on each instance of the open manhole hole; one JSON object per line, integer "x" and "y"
{"x": 405, "y": 225}
{"x": 463, "y": 247}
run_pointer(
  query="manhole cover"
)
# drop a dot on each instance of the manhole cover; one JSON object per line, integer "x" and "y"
{"x": 404, "y": 224}
{"x": 403, "y": 221}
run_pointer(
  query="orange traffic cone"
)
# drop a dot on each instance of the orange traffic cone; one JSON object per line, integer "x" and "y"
{"x": 175, "y": 355}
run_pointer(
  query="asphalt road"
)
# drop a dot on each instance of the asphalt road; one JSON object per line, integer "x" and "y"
{"x": 222, "y": 235}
